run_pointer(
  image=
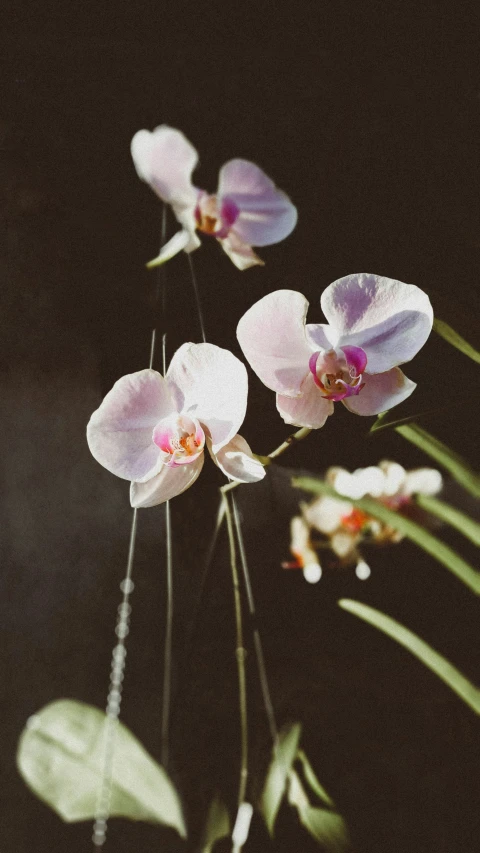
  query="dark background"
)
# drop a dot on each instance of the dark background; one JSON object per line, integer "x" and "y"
{"x": 368, "y": 115}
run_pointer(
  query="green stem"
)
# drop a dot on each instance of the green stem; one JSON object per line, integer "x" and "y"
{"x": 240, "y": 654}
{"x": 429, "y": 657}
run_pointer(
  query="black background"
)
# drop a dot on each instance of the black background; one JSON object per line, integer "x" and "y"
{"x": 368, "y": 115}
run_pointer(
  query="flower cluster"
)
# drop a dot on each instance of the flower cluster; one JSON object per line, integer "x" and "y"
{"x": 152, "y": 430}
{"x": 344, "y": 527}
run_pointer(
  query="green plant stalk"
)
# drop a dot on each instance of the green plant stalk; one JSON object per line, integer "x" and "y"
{"x": 240, "y": 654}
{"x": 452, "y": 516}
{"x": 423, "y": 538}
{"x": 454, "y": 464}
{"x": 428, "y": 656}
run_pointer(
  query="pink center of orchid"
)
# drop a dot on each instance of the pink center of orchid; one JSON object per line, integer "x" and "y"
{"x": 213, "y": 217}
{"x": 181, "y": 438}
{"x": 338, "y": 373}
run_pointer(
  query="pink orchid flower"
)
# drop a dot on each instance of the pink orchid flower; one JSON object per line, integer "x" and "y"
{"x": 247, "y": 210}
{"x": 152, "y": 430}
{"x": 374, "y": 324}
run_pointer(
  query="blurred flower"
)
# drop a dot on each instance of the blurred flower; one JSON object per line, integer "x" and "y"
{"x": 374, "y": 324}
{"x": 343, "y": 526}
{"x": 247, "y": 210}
{"x": 153, "y": 430}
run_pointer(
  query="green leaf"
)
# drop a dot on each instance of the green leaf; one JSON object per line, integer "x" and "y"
{"x": 312, "y": 780}
{"x": 452, "y": 337}
{"x": 452, "y": 516}
{"x": 283, "y": 757}
{"x": 458, "y": 468}
{"x": 387, "y": 420}
{"x": 326, "y": 826}
{"x": 61, "y": 758}
{"x": 423, "y": 538}
{"x": 217, "y": 825}
{"x": 429, "y": 657}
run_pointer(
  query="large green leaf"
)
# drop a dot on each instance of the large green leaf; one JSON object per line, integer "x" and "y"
{"x": 451, "y": 461}
{"x": 452, "y": 516}
{"x": 217, "y": 824}
{"x": 429, "y": 657}
{"x": 61, "y": 758}
{"x": 423, "y": 538}
{"x": 452, "y": 337}
{"x": 325, "y": 825}
{"x": 275, "y": 785}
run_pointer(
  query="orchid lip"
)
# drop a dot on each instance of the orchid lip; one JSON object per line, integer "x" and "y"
{"x": 338, "y": 375}
{"x": 180, "y": 438}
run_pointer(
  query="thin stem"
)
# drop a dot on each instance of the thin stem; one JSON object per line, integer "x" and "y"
{"x": 167, "y": 668}
{"x": 197, "y": 297}
{"x": 240, "y": 655}
{"x": 262, "y": 672}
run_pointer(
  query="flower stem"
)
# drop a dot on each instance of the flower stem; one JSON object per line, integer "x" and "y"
{"x": 262, "y": 672}
{"x": 240, "y": 655}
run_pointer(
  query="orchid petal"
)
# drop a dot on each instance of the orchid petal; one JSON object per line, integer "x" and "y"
{"x": 380, "y": 392}
{"x": 119, "y": 433}
{"x": 310, "y": 410}
{"x": 326, "y": 513}
{"x": 266, "y": 214}
{"x": 390, "y": 320}
{"x": 423, "y": 481}
{"x": 272, "y": 336}
{"x": 211, "y": 385}
{"x": 165, "y": 159}
{"x": 240, "y": 253}
{"x": 319, "y": 336}
{"x": 182, "y": 240}
{"x": 169, "y": 483}
{"x": 237, "y": 461}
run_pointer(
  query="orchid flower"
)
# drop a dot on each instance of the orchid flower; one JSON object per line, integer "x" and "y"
{"x": 374, "y": 324}
{"x": 247, "y": 209}
{"x": 344, "y": 526}
{"x": 152, "y": 430}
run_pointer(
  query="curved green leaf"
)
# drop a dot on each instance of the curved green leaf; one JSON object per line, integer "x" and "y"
{"x": 61, "y": 758}
{"x": 429, "y": 657}
{"x": 451, "y": 461}
{"x": 283, "y": 757}
{"x": 312, "y": 780}
{"x": 326, "y": 826}
{"x": 423, "y": 538}
{"x": 217, "y": 824}
{"x": 452, "y": 337}
{"x": 452, "y": 516}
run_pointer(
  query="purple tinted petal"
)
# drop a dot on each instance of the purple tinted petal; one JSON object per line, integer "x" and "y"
{"x": 319, "y": 335}
{"x": 210, "y": 384}
{"x": 165, "y": 159}
{"x": 237, "y": 461}
{"x": 388, "y": 319}
{"x": 169, "y": 483}
{"x": 119, "y": 433}
{"x": 266, "y": 214}
{"x": 312, "y": 364}
{"x": 310, "y": 410}
{"x": 356, "y": 358}
{"x": 240, "y": 253}
{"x": 272, "y": 336}
{"x": 381, "y": 391}
{"x": 228, "y": 212}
